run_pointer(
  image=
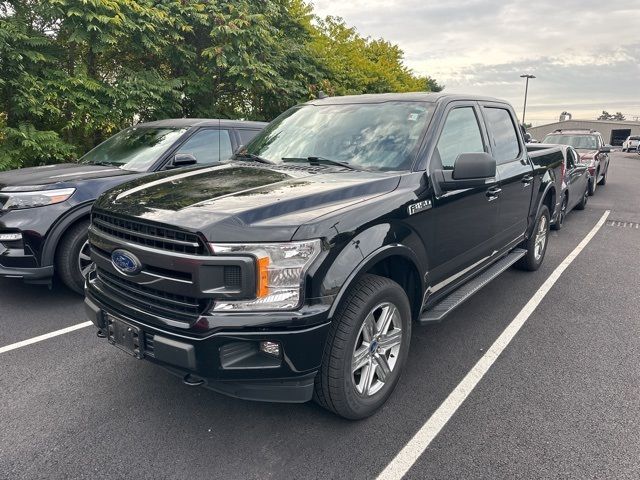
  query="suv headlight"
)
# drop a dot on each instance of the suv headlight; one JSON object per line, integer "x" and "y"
{"x": 10, "y": 200}
{"x": 280, "y": 273}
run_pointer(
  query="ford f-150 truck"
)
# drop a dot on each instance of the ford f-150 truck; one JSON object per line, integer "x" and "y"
{"x": 298, "y": 268}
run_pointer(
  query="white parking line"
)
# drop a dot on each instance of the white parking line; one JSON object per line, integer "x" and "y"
{"x": 40, "y": 338}
{"x": 405, "y": 459}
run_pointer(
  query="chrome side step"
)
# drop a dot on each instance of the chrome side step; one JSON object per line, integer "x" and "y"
{"x": 449, "y": 303}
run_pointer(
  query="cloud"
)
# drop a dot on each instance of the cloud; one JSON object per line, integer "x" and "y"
{"x": 584, "y": 52}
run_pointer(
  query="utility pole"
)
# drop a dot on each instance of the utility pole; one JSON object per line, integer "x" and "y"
{"x": 526, "y": 91}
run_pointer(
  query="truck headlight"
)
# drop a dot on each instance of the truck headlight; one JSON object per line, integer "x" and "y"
{"x": 280, "y": 273}
{"x": 10, "y": 200}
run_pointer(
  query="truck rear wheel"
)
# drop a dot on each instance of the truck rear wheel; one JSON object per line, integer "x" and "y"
{"x": 536, "y": 245}
{"x": 366, "y": 349}
{"x": 73, "y": 260}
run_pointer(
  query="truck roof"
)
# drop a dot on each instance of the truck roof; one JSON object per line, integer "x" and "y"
{"x": 431, "y": 97}
{"x": 202, "y": 122}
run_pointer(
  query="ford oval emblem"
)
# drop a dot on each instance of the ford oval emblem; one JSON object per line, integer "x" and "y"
{"x": 125, "y": 262}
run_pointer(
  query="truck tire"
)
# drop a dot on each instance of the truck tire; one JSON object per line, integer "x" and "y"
{"x": 536, "y": 245}
{"x": 366, "y": 348}
{"x": 72, "y": 258}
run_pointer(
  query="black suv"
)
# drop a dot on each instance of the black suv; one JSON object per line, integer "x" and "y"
{"x": 298, "y": 268}
{"x": 44, "y": 211}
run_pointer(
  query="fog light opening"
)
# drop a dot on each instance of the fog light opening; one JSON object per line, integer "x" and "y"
{"x": 270, "y": 348}
{"x": 10, "y": 237}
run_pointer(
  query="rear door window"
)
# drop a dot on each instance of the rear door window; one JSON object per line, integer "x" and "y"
{"x": 506, "y": 147}
{"x": 460, "y": 134}
{"x": 246, "y": 135}
{"x": 208, "y": 146}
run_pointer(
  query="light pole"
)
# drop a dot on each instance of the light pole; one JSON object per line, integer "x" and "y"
{"x": 526, "y": 90}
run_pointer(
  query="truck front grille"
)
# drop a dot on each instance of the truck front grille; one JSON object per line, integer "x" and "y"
{"x": 150, "y": 300}
{"x": 149, "y": 235}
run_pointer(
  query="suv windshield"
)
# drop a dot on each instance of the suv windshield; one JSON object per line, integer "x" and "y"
{"x": 136, "y": 148}
{"x": 585, "y": 142}
{"x": 377, "y": 136}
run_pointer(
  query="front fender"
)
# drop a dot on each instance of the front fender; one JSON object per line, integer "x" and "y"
{"x": 366, "y": 249}
{"x": 59, "y": 229}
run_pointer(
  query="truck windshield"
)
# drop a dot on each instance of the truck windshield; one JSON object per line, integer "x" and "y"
{"x": 377, "y": 136}
{"x": 136, "y": 148}
{"x": 585, "y": 142}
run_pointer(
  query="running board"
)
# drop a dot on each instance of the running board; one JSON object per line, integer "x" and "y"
{"x": 456, "y": 298}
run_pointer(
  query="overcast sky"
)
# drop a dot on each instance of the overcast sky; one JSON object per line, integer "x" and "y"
{"x": 585, "y": 53}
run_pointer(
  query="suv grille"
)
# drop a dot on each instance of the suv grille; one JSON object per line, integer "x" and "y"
{"x": 152, "y": 301}
{"x": 162, "y": 238}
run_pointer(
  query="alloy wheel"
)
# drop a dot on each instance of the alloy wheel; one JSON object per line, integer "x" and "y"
{"x": 377, "y": 349}
{"x": 84, "y": 259}
{"x": 541, "y": 238}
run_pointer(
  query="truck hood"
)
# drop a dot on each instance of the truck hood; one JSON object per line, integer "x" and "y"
{"x": 52, "y": 176}
{"x": 244, "y": 202}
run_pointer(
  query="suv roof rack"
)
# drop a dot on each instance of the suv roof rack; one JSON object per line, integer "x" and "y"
{"x": 577, "y": 130}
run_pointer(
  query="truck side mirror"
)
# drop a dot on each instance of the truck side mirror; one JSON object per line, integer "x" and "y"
{"x": 605, "y": 149}
{"x": 474, "y": 165}
{"x": 470, "y": 170}
{"x": 182, "y": 160}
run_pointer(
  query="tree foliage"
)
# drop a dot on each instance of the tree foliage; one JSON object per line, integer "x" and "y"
{"x": 73, "y": 72}
{"x": 618, "y": 116}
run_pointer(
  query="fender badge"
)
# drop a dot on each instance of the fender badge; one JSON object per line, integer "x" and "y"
{"x": 419, "y": 207}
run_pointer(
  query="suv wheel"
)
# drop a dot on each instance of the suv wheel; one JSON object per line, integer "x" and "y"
{"x": 593, "y": 183}
{"x": 366, "y": 348}
{"x": 561, "y": 214}
{"x": 536, "y": 245}
{"x": 73, "y": 259}
{"x": 603, "y": 181}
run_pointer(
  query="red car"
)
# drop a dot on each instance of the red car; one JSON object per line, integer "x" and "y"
{"x": 591, "y": 148}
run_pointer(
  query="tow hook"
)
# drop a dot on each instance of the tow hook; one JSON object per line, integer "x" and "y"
{"x": 192, "y": 380}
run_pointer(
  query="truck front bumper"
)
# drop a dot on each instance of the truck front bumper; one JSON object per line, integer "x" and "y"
{"x": 229, "y": 361}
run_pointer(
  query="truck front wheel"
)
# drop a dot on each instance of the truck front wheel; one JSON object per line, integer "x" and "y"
{"x": 366, "y": 349}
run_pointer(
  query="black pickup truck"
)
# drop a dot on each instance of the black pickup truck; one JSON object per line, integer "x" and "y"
{"x": 296, "y": 269}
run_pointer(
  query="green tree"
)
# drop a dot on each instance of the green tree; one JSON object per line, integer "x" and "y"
{"x": 73, "y": 72}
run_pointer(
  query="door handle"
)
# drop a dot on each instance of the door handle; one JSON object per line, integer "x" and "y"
{"x": 493, "y": 193}
{"x": 527, "y": 179}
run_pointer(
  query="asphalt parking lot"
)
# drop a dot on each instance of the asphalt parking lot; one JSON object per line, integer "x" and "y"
{"x": 562, "y": 400}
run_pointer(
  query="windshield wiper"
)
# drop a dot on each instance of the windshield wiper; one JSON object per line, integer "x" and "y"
{"x": 253, "y": 158}
{"x": 320, "y": 160}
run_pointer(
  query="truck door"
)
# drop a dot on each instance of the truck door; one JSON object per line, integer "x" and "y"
{"x": 465, "y": 219}
{"x": 514, "y": 171}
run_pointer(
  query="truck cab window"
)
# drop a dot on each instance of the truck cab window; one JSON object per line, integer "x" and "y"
{"x": 506, "y": 147}
{"x": 208, "y": 146}
{"x": 460, "y": 134}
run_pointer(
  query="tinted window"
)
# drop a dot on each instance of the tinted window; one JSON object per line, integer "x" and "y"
{"x": 247, "y": 135}
{"x": 505, "y": 139}
{"x": 461, "y": 134}
{"x": 208, "y": 146}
